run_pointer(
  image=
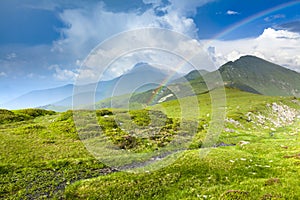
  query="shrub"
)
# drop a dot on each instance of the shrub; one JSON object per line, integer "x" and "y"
{"x": 7, "y": 116}
{"x": 35, "y": 112}
{"x": 103, "y": 112}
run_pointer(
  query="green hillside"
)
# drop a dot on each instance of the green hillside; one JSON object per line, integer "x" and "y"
{"x": 255, "y": 157}
{"x": 262, "y": 76}
{"x": 249, "y": 74}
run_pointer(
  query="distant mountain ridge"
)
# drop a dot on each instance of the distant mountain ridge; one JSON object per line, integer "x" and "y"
{"x": 248, "y": 73}
{"x": 130, "y": 82}
{"x": 140, "y": 74}
{"x": 36, "y": 97}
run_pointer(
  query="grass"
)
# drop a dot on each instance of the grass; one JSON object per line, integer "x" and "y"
{"x": 41, "y": 155}
{"x": 214, "y": 177}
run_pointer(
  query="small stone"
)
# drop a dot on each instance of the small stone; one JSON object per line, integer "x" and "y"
{"x": 242, "y": 143}
{"x": 285, "y": 147}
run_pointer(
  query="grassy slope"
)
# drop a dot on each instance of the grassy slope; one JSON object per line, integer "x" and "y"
{"x": 262, "y": 76}
{"x": 42, "y": 155}
{"x": 266, "y": 168}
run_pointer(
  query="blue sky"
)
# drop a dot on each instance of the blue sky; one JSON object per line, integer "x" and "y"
{"x": 42, "y": 43}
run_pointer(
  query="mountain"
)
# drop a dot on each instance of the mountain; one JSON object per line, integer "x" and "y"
{"x": 192, "y": 75}
{"x": 141, "y": 77}
{"x": 256, "y": 75}
{"x": 248, "y": 73}
{"x": 39, "y": 97}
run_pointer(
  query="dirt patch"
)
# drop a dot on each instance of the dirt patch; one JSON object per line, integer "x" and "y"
{"x": 272, "y": 181}
{"x": 297, "y": 156}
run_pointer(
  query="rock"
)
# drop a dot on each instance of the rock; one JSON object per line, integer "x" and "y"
{"x": 222, "y": 144}
{"x": 234, "y": 122}
{"x": 242, "y": 143}
{"x": 228, "y": 130}
{"x": 279, "y": 115}
{"x": 284, "y": 147}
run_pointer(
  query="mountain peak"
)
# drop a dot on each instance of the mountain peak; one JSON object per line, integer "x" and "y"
{"x": 140, "y": 64}
{"x": 263, "y": 76}
{"x": 251, "y": 63}
{"x": 142, "y": 67}
{"x": 249, "y": 56}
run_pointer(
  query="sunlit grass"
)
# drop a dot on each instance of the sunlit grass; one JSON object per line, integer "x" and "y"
{"x": 41, "y": 155}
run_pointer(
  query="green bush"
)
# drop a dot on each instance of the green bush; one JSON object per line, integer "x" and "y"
{"x": 103, "y": 112}
{"x": 68, "y": 115}
{"x": 7, "y": 116}
{"x": 35, "y": 112}
{"x": 140, "y": 117}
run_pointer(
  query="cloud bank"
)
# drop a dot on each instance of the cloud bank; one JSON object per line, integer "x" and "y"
{"x": 278, "y": 46}
{"x": 89, "y": 27}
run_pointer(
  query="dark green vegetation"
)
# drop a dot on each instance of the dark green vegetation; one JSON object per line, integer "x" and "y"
{"x": 255, "y": 157}
{"x": 253, "y": 74}
{"x": 7, "y": 116}
{"x": 138, "y": 136}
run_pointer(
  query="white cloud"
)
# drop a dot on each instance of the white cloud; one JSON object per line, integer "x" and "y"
{"x": 35, "y": 76}
{"x": 30, "y": 75}
{"x": 89, "y": 27}
{"x": 278, "y": 46}
{"x": 63, "y": 74}
{"x": 231, "y": 12}
{"x": 154, "y": 2}
{"x": 11, "y": 56}
{"x": 29, "y": 59}
{"x": 186, "y": 8}
{"x": 162, "y": 48}
{"x": 274, "y": 17}
{"x": 3, "y": 74}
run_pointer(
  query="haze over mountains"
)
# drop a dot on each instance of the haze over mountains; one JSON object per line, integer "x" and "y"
{"x": 248, "y": 73}
{"x": 131, "y": 81}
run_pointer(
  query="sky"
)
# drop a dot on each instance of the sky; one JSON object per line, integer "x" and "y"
{"x": 43, "y": 43}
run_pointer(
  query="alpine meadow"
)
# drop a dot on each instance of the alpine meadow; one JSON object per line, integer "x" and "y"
{"x": 150, "y": 99}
